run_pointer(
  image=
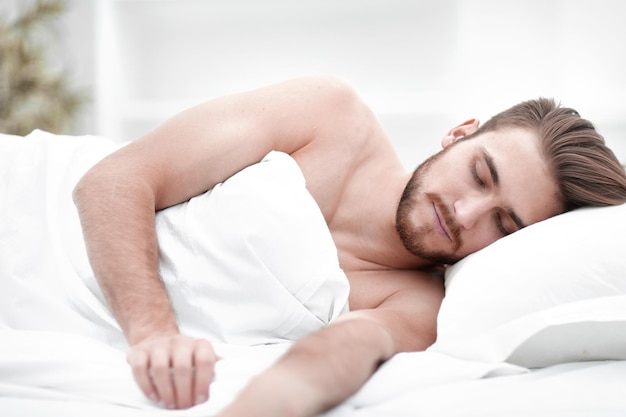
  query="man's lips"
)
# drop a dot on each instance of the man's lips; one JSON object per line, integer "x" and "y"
{"x": 441, "y": 226}
{"x": 444, "y": 222}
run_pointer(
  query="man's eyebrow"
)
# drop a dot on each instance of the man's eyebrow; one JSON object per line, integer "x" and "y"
{"x": 493, "y": 171}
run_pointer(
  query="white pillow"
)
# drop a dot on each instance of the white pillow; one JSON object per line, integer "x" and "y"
{"x": 552, "y": 292}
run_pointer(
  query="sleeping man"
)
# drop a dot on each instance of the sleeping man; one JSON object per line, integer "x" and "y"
{"x": 390, "y": 229}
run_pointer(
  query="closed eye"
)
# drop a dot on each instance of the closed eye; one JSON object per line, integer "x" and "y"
{"x": 500, "y": 225}
{"x": 476, "y": 177}
{"x": 507, "y": 221}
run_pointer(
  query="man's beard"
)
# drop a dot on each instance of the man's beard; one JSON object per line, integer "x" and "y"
{"x": 413, "y": 237}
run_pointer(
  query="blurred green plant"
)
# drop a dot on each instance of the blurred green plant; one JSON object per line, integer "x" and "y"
{"x": 32, "y": 95}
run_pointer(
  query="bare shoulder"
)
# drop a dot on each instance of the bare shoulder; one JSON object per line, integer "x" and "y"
{"x": 346, "y": 129}
{"x": 350, "y": 147}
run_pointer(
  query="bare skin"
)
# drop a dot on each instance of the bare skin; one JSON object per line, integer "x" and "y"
{"x": 357, "y": 180}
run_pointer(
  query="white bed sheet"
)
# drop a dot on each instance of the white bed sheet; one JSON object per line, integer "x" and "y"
{"x": 74, "y": 373}
{"x": 57, "y": 374}
{"x": 570, "y": 389}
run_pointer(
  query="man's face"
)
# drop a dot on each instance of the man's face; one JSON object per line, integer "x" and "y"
{"x": 475, "y": 192}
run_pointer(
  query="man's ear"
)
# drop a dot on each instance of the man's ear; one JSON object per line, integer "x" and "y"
{"x": 466, "y": 128}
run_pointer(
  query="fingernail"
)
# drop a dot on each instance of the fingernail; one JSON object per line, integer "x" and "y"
{"x": 170, "y": 406}
{"x": 200, "y": 399}
{"x": 153, "y": 398}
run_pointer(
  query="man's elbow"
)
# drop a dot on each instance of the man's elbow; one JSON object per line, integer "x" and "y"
{"x": 101, "y": 187}
{"x": 91, "y": 186}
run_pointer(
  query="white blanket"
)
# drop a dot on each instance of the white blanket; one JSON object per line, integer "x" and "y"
{"x": 250, "y": 262}
{"x": 38, "y": 230}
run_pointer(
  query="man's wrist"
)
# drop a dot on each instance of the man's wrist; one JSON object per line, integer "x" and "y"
{"x": 151, "y": 331}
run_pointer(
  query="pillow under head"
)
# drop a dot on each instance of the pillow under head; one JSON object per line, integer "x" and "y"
{"x": 550, "y": 293}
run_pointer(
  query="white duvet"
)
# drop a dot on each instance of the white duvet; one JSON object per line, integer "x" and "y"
{"x": 249, "y": 262}
{"x": 62, "y": 354}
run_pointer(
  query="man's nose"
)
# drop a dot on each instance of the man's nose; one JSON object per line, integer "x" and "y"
{"x": 470, "y": 209}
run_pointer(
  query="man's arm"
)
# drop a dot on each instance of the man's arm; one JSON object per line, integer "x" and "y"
{"x": 182, "y": 158}
{"x": 327, "y": 367}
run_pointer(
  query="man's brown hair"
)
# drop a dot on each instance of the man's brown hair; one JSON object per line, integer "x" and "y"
{"x": 586, "y": 170}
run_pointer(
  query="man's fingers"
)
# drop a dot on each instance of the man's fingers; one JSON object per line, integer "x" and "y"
{"x": 161, "y": 376}
{"x": 139, "y": 364}
{"x": 204, "y": 361}
{"x": 173, "y": 370}
{"x": 183, "y": 373}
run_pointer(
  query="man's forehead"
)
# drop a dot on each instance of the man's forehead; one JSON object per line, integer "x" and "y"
{"x": 510, "y": 144}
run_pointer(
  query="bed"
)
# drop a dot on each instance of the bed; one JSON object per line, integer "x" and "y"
{"x": 533, "y": 325}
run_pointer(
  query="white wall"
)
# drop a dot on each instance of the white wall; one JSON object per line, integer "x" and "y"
{"x": 170, "y": 54}
{"x": 423, "y": 65}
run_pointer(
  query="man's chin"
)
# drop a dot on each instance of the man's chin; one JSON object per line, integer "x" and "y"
{"x": 440, "y": 257}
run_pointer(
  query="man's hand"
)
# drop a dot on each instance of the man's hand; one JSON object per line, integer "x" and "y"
{"x": 174, "y": 370}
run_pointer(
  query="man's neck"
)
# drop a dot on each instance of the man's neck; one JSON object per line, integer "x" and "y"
{"x": 365, "y": 232}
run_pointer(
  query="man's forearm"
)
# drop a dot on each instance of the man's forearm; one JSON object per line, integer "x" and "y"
{"x": 318, "y": 373}
{"x": 121, "y": 243}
